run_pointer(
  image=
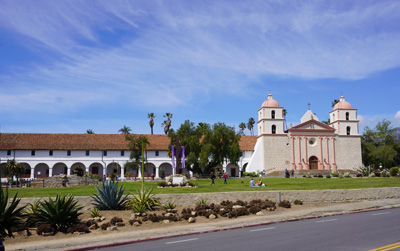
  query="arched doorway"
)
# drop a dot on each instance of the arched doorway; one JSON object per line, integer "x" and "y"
{"x": 313, "y": 163}
{"x": 78, "y": 169}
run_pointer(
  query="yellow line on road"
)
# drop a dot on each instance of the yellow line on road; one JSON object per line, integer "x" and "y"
{"x": 388, "y": 247}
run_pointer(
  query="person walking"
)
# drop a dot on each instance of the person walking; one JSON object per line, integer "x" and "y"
{"x": 292, "y": 173}
{"x": 212, "y": 176}
{"x": 225, "y": 176}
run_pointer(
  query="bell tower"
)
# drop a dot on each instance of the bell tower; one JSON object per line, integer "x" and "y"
{"x": 343, "y": 118}
{"x": 270, "y": 118}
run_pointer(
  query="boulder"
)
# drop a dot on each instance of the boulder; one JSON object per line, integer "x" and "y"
{"x": 165, "y": 221}
{"x": 212, "y": 216}
{"x": 259, "y": 213}
{"x": 113, "y": 228}
{"x": 192, "y": 220}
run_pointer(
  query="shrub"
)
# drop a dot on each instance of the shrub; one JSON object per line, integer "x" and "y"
{"x": 285, "y": 204}
{"x": 371, "y": 175}
{"x": 45, "y": 228}
{"x": 143, "y": 199}
{"x": 359, "y": 175}
{"x": 225, "y": 203}
{"x": 270, "y": 204}
{"x": 347, "y": 175}
{"x": 298, "y": 202}
{"x": 340, "y": 175}
{"x": 377, "y": 174}
{"x": 104, "y": 226}
{"x": 394, "y": 171}
{"x": 61, "y": 213}
{"x": 241, "y": 211}
{"x": 115, "y": 220}
{"x": 91, "y": 223}
{"x": 162, "y": 184}
{"x": 95, "y": 213}
{"x": 249, "y": 174}
{"x": 334, "y": 173}
{"x": 10, "y": 215}
{"x": 254, "y": 209}
{"x": 78, "y": 228}
{"x": 315, "y": 176}
{"x": 366, "y": 170}
{"x": 110, "y": 197}
{"x": 320, "y": 176}
{"x": 385, "y": 173}
{"x": 328, "y": 176}
{"x": 201, "y": 202}
{"x": 308, "y": 175}
{"x": 31, "y": 212}
{"x": 169, "y": 205}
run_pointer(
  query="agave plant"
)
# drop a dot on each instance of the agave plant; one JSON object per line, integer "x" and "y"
{"x": 144, "y": 199}
{"x": 61, "y": 213}
{"x": 10, "y": 215}
{"x": 169, "y": 205}
{"x": 95, "y": 213}
{"x": 110, "y": 197}
{"x": 366, "y": 170}
{"x": 31, "y": 213}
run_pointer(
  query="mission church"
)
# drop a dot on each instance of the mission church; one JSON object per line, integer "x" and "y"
{"x": 311, "y": 145}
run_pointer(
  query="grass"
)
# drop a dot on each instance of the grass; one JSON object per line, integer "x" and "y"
{"x": 273, "y": 184}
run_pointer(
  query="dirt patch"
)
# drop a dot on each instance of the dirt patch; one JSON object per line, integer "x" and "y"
{"x": 201, "y": 224}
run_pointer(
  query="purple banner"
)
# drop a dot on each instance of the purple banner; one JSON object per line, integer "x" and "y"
{"x": 183, "y": 156}
{"x": 173, "y": 157}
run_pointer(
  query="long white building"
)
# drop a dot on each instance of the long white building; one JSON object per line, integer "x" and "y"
{"x": 46, "y": 155}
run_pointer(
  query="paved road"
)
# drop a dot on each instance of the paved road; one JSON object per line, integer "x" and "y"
{"x": 361, "y": 231}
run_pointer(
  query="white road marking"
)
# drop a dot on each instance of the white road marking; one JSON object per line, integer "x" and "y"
{"x": 381, "y": 213}
{"x": 172, "y": 242}
{"x": 325, "y": 220}
{"x": 261, "y": 229}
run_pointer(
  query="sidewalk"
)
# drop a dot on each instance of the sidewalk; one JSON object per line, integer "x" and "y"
{"x": 112, "y": 238}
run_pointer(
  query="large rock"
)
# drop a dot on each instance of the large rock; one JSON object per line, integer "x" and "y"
{"x": 212, "y": 216}
{"x": 192, "y": 220}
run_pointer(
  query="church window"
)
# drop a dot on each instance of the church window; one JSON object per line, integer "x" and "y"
{"x": 33, "y": 153}
{"x": 51, "y": 153}
{"x": 69, "y": 153}
{"x": 8, "y": 152}
{"x": 312, "y": 141}
{"x": 347, "y": 116}
{"x": 273, "y": 129}
{"x": 273, "y": 114}
{"x": 348, "y": 130}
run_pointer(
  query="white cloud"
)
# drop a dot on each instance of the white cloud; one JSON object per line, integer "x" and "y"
{"x": 397, "y": 119}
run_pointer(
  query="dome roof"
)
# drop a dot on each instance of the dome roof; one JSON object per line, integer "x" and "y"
{"x": 342, "y": 104}
{"x": 270, "y": 102}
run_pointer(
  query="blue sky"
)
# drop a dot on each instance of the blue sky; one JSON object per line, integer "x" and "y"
{"x": 68, "y": 66}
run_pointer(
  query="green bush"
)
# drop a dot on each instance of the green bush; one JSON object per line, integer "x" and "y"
{"x": 285, "y": 204}
{"x": 201, "y": 202}
{"x": 250, "y": 174}
{"x": 95, "y": 213}
{"x": 169, "y": 205}
{"x": 61, "y": 213}
{"x": 334, "y": 173}
{"x": 371, "y": 175}
{"x": 394, "y": 171}
{"x": 10, "y": 215}
{"x": 366, "y": 170}
{"x": 143, "y": 200}
{"x": 308, "y": 175}
{"x": 31, "y": 212}
{"x": 298, "y": 202}
{"x": 110, "y": 197}
{"x": 328, "y": 176}
{"x": 347, "y": 175}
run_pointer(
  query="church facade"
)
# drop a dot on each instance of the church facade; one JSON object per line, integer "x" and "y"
{"x": 310, "y": 145}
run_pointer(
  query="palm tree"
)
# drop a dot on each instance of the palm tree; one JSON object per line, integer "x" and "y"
{"x": 250, "y": 125}
{"x": 284, "y": 112}
{"x": 242, "y": 126}
{"x": 125, "y": 130}
{"x": 167, "y": 123}
{"x": 151, "y": 116}
{"x": 89, "y": 131}
{"x": 13, "y": 168}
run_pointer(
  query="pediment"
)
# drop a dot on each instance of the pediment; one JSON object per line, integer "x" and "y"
{"x": 312, "y": 125}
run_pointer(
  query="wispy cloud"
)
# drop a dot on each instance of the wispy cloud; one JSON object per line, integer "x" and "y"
{"x": 176, "y": 53}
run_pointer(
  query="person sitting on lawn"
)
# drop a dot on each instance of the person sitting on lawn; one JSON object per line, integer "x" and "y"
{"x": 251, "y": 182}
{"x": 260, "y": 184}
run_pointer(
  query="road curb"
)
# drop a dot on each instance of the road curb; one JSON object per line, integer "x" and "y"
{"x": 230, "y": 228}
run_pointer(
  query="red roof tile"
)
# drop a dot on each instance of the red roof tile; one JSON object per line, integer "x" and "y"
{"x": 46, "y": 141}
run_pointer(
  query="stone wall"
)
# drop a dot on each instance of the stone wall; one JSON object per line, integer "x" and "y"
{"x": 308, "y": 196}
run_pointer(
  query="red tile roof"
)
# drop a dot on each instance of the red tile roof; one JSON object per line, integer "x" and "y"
{"x": 46, "y": 141}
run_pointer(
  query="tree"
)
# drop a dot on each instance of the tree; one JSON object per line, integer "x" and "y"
{"x": 89, "y": 131}
{"x": 13, "y": 168}
{"x": 151, "y": 116}
{"x": 137, "y": 146}
{"x": 219, "y": 145}
{"x": 188, "y": 136}
{"x": 167, "y": 123}
{"x": 125, "y": 130}
{"x": 250, "y": 125}
{"x": 334, "y": 102}
{"x": 380, "y": 145}
{"x": 242, "y": 127}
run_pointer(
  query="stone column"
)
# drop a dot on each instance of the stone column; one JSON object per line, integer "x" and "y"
{"x": 105, "y": 171}
{"x": 307, "y": 167}
{"x": 87, "y": 170}
{"x": 122, "y": 172}
{"x": 328, "y": 166}
{"x": 157, "y": 172}
{"x": 333, "y": 154}
{"x": 32, "y": 172}
{"x": 50, "y": 172}
{"x": 293, "y": 164}
{"x": 68, "y": 170}
{"x": 321, "y": 159}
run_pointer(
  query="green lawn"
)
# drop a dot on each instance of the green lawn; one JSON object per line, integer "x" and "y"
{"x": 204, "y": 186}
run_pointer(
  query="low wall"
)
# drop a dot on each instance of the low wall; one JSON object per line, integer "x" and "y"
{"x": 308, "y": 196}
